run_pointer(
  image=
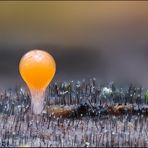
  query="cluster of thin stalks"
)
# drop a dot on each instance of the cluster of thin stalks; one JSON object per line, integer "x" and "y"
{"x": 89, "y": 115}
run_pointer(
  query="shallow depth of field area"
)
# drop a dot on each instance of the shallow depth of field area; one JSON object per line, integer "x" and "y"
{"x": 95, "y": 91}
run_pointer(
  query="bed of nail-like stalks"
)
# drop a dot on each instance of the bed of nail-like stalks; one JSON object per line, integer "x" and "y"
{"x": 83, "y": 113}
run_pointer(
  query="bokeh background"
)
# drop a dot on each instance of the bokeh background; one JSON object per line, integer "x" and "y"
{"x": 106, "y": 40}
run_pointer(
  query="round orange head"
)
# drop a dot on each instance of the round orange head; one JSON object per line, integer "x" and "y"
{"x": 37, "y": 68}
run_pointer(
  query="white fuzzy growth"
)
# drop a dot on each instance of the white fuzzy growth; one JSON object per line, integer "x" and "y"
{"x": 37, "y": 101}
{"x": 106, "y": 91}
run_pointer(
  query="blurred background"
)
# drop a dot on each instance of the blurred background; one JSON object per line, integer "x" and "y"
{"x": 106, "y": 40}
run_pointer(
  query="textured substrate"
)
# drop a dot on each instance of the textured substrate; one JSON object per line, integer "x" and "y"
{"x": 76, "y": 114}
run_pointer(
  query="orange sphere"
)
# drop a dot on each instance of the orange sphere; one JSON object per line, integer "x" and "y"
{"x": 37, "y": 68}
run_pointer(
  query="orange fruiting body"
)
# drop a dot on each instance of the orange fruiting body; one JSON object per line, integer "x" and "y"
{"x": 37, "y": 68}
